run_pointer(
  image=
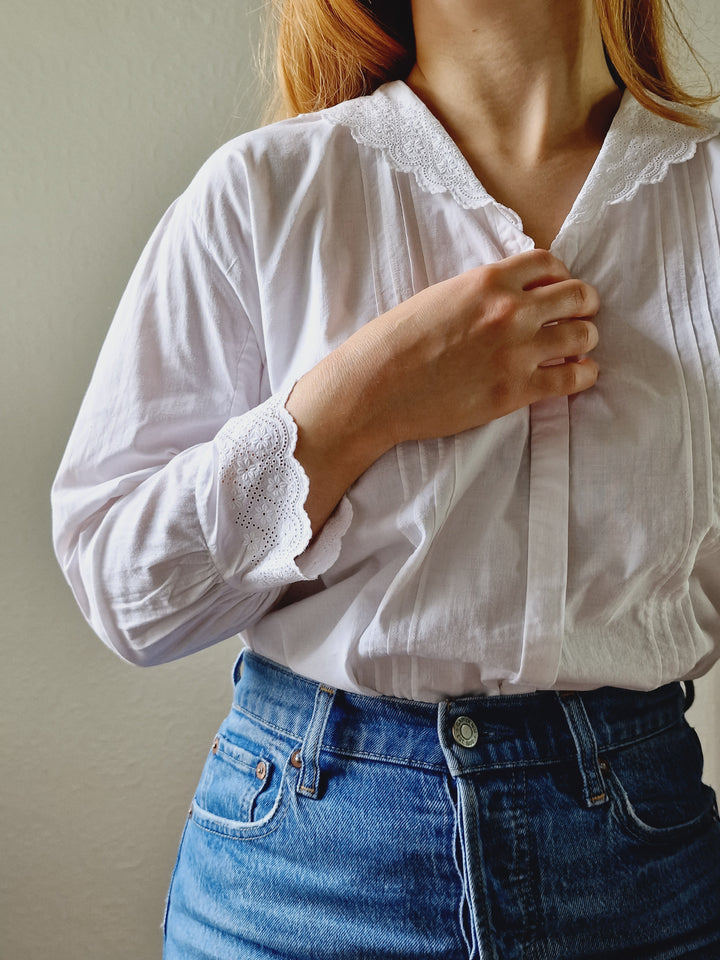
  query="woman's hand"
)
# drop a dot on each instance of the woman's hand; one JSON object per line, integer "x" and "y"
{"x": 457, "y": 355}
{"x": 476, "y": 347}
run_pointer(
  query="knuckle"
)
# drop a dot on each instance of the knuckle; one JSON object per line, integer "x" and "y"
{"x": 568, "y": 379}
{"x": 573, "y": 381}
{"x": 547, "y": 264}
{"x": 576, "y": 377}
{"x": 580, "y": 297}
{"x": 485, "y": 279}
{"x": 495, "y": 311}
{"x": 586, "y": 299}
{"x": 505, "y": 306}
{"x": 545, "y": 260}
{"x": 582, "y": 338}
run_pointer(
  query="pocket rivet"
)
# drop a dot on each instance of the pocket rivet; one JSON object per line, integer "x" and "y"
{"x": 216, "y": 741}
{"x": 296, "y": 759}
{"x": 604, "y": 766}
{"x": 261, "y": 770}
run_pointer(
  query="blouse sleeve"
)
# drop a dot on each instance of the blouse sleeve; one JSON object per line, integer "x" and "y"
{"x": 178, "y": 508}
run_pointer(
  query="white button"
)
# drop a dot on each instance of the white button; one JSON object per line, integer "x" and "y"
{"x": 465, "y": 732}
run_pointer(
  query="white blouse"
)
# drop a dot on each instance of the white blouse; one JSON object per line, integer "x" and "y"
{"x": 567, "y": 545}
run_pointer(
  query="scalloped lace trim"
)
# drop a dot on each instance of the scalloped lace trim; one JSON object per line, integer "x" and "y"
{"x": 639, "y": 148}
{"x": 267, "y": 488}
{"x": 395, "y": 121}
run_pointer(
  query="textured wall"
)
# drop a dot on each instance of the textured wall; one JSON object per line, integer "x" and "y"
{"x": 113, "y": 107}
{"x": 108, "y": 110}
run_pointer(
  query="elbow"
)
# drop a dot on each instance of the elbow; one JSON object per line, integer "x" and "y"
{"x": 147, "y": 640}
{"x": 147, "y": 645}
{"x": 106, "y": 616}
{"x": 153, "y": 614}
{"x": 147, "y": 634}
{"x": 142, "y": 614}
{"x": 140, "y": 646}
{"x": 135, "y": 654}
{"x": 134, "y": 630}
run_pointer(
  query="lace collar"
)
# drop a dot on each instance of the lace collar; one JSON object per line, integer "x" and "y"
{"x": 639, "y": 148}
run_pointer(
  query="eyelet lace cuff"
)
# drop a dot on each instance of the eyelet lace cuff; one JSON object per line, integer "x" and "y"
{"x": 263, "y": 489}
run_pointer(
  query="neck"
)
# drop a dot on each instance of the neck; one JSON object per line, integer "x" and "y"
{"x": 525, "y": 91}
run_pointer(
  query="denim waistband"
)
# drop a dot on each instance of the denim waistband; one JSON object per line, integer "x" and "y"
{"x": 521, "y": 729}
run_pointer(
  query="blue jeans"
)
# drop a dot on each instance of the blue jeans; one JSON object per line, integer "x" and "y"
{"x": 329, "y": 825}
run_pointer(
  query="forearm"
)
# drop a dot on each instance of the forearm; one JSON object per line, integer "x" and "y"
{"x": 341, "y": 429}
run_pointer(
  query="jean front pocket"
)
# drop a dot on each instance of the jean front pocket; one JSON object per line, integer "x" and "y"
{"x": 244, "y": 784}
{"x": 656, "y": 787}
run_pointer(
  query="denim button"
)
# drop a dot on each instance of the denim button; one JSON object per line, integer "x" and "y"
{"x": 465, "y": 732}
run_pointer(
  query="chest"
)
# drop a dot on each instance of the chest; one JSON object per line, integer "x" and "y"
{"x": 655, "y": 266}
{"x": 542, "y": 194}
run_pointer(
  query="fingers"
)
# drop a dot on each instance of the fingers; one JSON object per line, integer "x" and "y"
{"x": 570, "y": 338}
{"x": 564, "y": 300}
{"x": 565, "y": 379}
{"x": 533, "y": 268}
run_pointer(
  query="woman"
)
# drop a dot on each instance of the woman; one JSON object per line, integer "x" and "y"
{"x": 350, "y": 405}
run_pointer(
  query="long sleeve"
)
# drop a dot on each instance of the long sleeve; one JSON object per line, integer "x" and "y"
{"x": 179, "y": 513}
{"x": 178, "y": 507}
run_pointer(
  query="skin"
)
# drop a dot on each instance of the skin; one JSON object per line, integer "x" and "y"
{"x": 529, "y": 107}
{"x": 532, "y": 78}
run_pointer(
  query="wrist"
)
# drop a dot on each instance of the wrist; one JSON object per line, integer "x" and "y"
{"x": 335, "y": 408}
{"x": 341, "y": 430}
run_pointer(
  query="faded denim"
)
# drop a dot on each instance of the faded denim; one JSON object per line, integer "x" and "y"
{"x": 331, "y": 826}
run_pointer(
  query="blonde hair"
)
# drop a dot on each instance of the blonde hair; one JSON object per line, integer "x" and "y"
{"x": 328, "y": 51}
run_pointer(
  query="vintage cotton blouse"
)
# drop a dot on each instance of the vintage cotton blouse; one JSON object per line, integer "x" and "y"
{"x": 571, "y": 544}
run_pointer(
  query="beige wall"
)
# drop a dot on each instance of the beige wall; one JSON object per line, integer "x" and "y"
{"x": 109, "y": 108}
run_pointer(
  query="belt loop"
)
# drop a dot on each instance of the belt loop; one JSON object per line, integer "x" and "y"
{"x": 309, "y": 779}
{"x": 594, "y": 792}
{"x": 689, "y": 694}
{"x": 238, "y": 667}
